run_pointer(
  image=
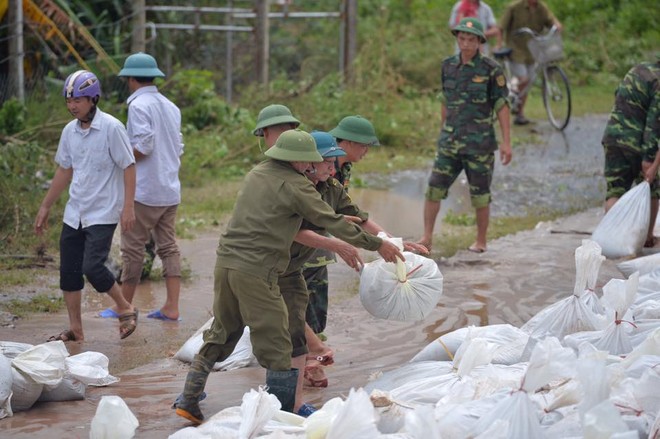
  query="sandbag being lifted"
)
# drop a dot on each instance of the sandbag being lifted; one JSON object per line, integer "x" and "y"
{"x": 405, "y": 291}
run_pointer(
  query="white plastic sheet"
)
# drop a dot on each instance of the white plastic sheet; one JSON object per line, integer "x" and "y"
{"x": 623, "y": 229}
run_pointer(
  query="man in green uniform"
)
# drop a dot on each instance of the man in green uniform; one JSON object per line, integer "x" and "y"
{"x": 354, "y": 135}
{"x": 272, "y": 121}
{"x": 253, "y": 253}
{"x": 535, "y": 15}
{"x": 631, "y": 137}
{"x": 473, "y": 89}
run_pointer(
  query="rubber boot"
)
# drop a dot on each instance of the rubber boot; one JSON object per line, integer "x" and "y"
{"x": 282, "y": 384}
{"x": 188, "y": 406}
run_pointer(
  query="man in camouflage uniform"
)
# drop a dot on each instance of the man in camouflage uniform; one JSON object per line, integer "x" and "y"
{"x": 473, "y": 90}
{"x": 631, "y": 137}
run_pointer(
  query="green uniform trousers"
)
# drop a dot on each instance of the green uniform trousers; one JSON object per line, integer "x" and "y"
{"x": 241, "y": 300}
{"x": 294, "y": 292}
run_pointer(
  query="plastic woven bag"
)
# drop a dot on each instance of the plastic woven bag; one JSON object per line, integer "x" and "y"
{"x": 623, "y": 229}
{"x": 6, "y": 381}
{"x": 43, "y": 363}
{"x": 406, "y": 291}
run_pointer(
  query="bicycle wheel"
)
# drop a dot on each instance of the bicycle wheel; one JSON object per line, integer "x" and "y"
{"x": 556, "y": 96}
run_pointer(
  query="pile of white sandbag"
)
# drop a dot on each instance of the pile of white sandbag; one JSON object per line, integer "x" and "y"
{"x": 46, "y": 372}
{"x": 584, "y": 367}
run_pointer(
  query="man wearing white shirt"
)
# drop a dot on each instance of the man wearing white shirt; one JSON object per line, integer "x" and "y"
{"x": 154, "y": 130}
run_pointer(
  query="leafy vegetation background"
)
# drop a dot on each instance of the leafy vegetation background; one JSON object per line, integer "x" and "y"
{"x": 400, "y": 47}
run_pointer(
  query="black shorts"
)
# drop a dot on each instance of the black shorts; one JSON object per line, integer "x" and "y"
{"x": 83, "y": 251}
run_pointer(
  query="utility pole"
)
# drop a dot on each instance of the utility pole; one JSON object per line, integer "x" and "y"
{"x": 348, "y": 38}
{"x": 16, "y": 53}
{"x": 263, "y": 41}
{"x": 138, "y": 40}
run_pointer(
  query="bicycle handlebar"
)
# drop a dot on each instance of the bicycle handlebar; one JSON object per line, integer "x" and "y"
{"x": 528, "y": 31}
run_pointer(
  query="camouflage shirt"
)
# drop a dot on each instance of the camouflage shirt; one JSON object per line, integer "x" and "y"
{"x": 343, "y": 173}
{"x": 334, "y": 194}
{"x": 634, "y": 122}
{"x": 472, "y": 93}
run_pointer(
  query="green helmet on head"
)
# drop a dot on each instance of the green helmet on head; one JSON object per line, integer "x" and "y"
{"x": 471, "y": 26}
{"x": 274, "y": 114}
{"x": 141, "y": 65}
{"x": 356, "y": 129}
{"x": 295, "y": 146}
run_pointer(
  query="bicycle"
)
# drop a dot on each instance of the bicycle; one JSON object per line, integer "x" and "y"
{"x": 547, "y": 50}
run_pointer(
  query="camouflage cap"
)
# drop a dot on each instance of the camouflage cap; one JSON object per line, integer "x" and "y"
{"x": 471, "y": 26}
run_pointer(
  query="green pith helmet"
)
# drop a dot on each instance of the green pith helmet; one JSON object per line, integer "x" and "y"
{"x": 274, "y": 114}
{"x": 295, "y": 146}
{"x": 471, "y": 26}
{"x": 327, "y": 145}
{"x": 141, "y": 65}
{"x": 356, "y": 129}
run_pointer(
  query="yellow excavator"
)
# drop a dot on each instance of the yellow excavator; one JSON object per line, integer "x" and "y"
{"x": 62, "y": 34}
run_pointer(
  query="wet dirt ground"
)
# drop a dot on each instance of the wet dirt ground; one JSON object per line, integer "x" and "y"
{"x": 519, "y": 275}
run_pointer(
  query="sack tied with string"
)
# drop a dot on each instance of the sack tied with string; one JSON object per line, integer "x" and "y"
{"x": 405, "y": 291}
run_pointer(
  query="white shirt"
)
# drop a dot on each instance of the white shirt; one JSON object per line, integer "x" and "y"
{"x": 484, "y": 15}
{"x": 98, "y": 156}
{"x": 154, "y": 129}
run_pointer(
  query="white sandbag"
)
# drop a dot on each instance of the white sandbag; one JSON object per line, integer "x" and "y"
{"x": 69, "y": 389}
{"x": 11, "y": 349}
{"x": 572, "y": 314}
{"x": 241, "y": 357}
{"x": 113, "y": 420}
{"x": 618, "y": 295}
{"x": 643, "y": 265}
{"x": 6, "y": 381}
{"x": 650, "y": 310}
{"x": 623, "y": 229}
{"x": 509, "y": 341}
{"x": 409, "y": 371}
{"x": 257, "y": 408}
{"x": 406, "y": 291}
{"x": 318, "y": 423}
{"x": 604, "y": 421}
{"x": 518, "y": 411}
{"x": 356, "y": 419}
{"x": 456, "y": 420}
{"x": 90, "y": 368}
{"x": 25, "y": 391}
{"x": 650, "y": 346}
{"x": 43, "y": 363}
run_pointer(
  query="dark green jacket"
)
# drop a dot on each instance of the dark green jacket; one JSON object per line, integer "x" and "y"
{"x": 336, "y": 197}
{"x": 267, "y": 215}
{"x": 472, "y": 93}
{"x": 634, "y": 122}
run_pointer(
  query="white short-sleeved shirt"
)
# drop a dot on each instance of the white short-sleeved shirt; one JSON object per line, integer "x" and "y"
{"x": 154, "y": 129}
{"x": 98, "y": 156}
{"x": 484, "y": 15}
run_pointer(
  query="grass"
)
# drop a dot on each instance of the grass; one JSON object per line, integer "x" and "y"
{"x": 38, "y": 304}
{"x": 458, "y": 233}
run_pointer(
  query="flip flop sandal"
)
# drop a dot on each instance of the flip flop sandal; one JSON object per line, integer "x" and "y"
{"x": 127, "y": 324}
{"x": 66, "y": 335}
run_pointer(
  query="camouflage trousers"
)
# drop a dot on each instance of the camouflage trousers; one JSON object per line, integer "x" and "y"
{"x": 316, "y": 279}
{"x": 449, "y": 162}
{"x": 623, "y": 167}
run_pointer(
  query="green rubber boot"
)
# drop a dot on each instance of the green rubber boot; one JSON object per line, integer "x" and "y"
{"x": 188, "y": 405}
{"x": 282, "y": 384}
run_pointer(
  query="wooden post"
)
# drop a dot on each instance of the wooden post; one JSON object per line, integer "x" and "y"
{"x": 16, "y": 54}
{"x": 138, "y": 39}
{"x": 263, "y": 42}
{"x": 348, "y": 40}
{"x": 229, "y": 54}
